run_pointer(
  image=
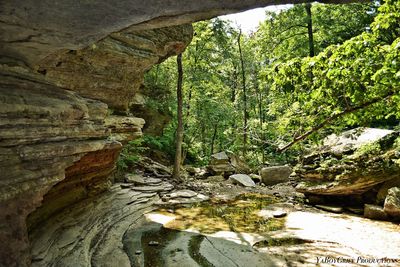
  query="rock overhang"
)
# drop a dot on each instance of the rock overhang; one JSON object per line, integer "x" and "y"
{"x": 31, "y": 30}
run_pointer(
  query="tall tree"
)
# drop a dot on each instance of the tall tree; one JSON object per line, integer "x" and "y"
{"x": 310, "y": 30}
{"x": 245, "y": 115}
{"x": 179, "y": 131}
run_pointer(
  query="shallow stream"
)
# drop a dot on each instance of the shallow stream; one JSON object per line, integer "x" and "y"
{"x": 244, "y": 232}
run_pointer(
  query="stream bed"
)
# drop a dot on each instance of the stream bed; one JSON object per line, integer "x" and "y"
{"x": 128, "y": 226}
{"x": 244, "y": 232}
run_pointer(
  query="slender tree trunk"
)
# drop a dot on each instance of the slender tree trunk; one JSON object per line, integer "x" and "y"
{"x": 244, "y": 96}
{"x": 179, "y": 132}
{"x": 213, "y": 138}
{"x": 185, "y": 126}
{"x": 234, "y": 89}
{"x": 310, "y": 30}
{"x": 263, "y": 135}
{"x": 188, "y": 106}
{"x": 260, "y": 116}
{"x": 156, "y": 78}
{"x": 235, "y": 84}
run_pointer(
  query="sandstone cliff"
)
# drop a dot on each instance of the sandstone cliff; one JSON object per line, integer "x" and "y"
{"x": 59, "y": 142}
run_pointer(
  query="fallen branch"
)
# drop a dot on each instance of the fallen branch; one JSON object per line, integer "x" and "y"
{"x": 334, "y": 117}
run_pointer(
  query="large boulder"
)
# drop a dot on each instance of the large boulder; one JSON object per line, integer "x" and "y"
{"x": 238, "y": 164}
{"x": 375, "y": 212}
{"x": 384, "y": 188}
{"x": 392, "y": 202}
{"x": 352, "y": 139}
{"x": 220, "y": 164}
{"x": 275, "y": 174}
{"x": 226, "y": 163}
{"x": 361, "y": 159}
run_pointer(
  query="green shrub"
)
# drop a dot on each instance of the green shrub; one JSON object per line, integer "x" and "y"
{"x": 130, "y": 154}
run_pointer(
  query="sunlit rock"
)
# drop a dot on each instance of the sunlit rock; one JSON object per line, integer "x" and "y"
{"x": 392, "y": 202}
{"x": 220, "y": 164}
{"x": 334, "y": 209}
{"x": 351, "y": 169}
{"x": 226, "y": 163}
{"x": 242, "y": 179}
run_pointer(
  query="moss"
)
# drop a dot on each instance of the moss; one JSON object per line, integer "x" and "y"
{"x": 238, "y": 215}
{"x": 396, "y": 144}
{"x": 329, "y": 162}
{"x": 367, "y": 150}
{"x": 285, "y": 241}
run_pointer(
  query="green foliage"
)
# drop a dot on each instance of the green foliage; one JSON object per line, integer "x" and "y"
{"x": 284, "y": 35}
{"x": 397, "y": 143}
{"x": 288, "y": 93}
{"x": 364, "y": 69}
{"x": 163, "y": 143}
{"x": 130, "y": 154}
{"x": 160, "y": 85}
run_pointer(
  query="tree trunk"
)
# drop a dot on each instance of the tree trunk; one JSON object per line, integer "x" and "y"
{"x": 263, "y": 135}
{"x": 186, "y": 126}
{"x": 260, "y": 117}
{"x": 188, "y": 106}
{"x": 244, "y": 96}
{"x": 310, "y": 30}
{"x": 179, "y": 132}
{"x": 234, "y": 84}
{"x": 213, "y": 138}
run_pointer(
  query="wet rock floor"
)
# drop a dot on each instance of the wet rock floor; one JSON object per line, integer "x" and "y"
{"x": 127, "y": 226}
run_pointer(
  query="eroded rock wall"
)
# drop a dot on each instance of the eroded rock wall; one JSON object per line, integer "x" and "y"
{"x": 63, "y": 124}
{"x": 44, "y": 130}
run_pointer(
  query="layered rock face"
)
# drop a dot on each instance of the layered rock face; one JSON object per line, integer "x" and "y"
{"x": 44, "y": 130}
{"x": 275, "y": 174}
{"x": 357, "y": 161}
{"x": 90, "y": 232}
{"x": 156, "y": 118}
{"x": 227, "y": 163}
{"x": 59, "y": 143}
{"x": 112, "y": 70}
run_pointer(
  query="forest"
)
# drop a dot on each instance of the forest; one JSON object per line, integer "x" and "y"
{"x": 271, "y": 95}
